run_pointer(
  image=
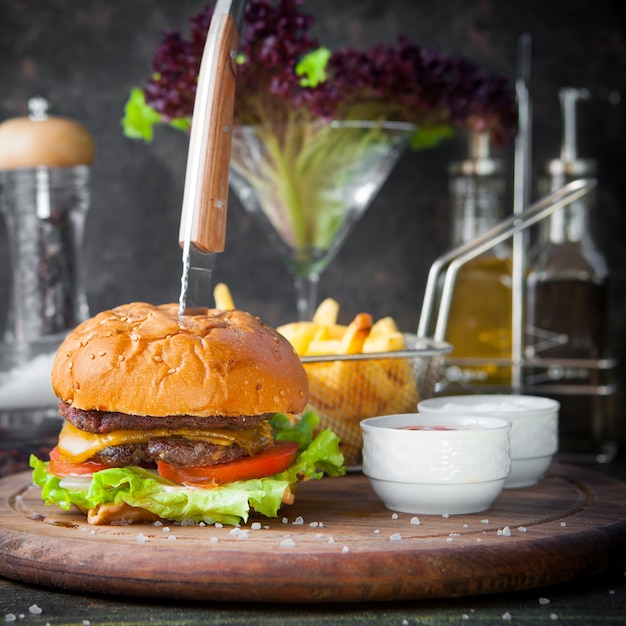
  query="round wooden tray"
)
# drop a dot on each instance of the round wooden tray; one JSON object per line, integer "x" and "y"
{"x": 337, "y": 543}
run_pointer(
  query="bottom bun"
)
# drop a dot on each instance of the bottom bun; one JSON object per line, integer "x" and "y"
{"x": 121, "y": 514}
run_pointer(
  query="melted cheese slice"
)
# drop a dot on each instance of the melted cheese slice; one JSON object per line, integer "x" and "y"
{"x": 79, "y": 446}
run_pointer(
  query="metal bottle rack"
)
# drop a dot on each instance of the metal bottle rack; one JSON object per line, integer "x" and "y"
{"x": 440, "y": 286}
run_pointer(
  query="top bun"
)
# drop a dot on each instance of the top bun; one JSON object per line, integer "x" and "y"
{"x": 142, "y": 359}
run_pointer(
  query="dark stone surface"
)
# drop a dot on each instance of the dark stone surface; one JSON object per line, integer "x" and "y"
{"x": 85, "y": 58}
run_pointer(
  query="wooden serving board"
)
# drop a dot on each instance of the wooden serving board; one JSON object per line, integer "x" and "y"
{"x": 337, "y": 543}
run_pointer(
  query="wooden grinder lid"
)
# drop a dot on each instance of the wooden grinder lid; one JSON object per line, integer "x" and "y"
{"x": 40, "y": 139}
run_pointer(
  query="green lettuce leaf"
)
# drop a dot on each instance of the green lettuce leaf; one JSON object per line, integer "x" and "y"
{"x": 227, "y": 504}
{"x": 139, "y": 117}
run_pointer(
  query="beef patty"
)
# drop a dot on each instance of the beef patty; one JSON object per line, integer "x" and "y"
{"x": 107, "y": 421}
{"x": 174, "y": 450}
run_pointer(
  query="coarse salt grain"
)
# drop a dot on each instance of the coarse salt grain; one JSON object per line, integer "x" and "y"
{"x": 298, "y": 521}
{"x": 522, "y": 529}
{"x": 377, "y": 531}
{"x": 543, "y": 601}
{"x": 331, "y": 540}
{"x": 256, "y": 526}
{"x": 319, "y": 535}
{"x": 415, "y": 521}
{"x": 141, "y": 538}
{"x": 214, "y": 540}
{"x": 287, "y": 543}
{"x": 285, "y": 520}
{"x": 394, "y": 516}
{"x": 313, "y": 524}
{"x": 218, "y": 525}
{"x": 345, "y": 549}
{"x": 165, "y": 529}
{"x": 171, "y": 538}
{"x": 484, "y": 521}
{"x": 507, "y": 617}
{"x": 395, "y": 537}
{"x": 563, "y": 524}
{"x": 554, "y": 617}
{"x": 446, "y": 515}
{"x": 34, "y": 610}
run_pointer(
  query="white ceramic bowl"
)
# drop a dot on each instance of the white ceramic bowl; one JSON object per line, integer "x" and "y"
{"x": 436, "y": 472}
{"x": 534, "y": 432}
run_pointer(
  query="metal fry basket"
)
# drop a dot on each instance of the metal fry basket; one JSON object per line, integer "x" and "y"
{"x": 344, "y": 389}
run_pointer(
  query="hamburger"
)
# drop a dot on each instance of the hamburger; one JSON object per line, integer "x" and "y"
{"x": 193, "y": 418}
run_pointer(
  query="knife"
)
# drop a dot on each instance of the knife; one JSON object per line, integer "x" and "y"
{"x": 205, "y": 197}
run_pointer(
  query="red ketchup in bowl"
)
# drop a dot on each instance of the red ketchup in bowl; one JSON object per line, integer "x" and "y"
{"x": 429, "y": 427}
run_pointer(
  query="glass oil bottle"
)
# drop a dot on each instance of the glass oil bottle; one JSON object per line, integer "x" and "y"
{"x": 479, "y": 322}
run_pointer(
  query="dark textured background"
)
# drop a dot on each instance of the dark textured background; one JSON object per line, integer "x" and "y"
{"x": 85, "y": 57}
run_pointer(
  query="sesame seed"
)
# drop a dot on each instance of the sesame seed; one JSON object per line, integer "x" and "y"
{"x": 158, "y": 358}
{"x": 92, "y": 356}
{"x": 121, "y": 357}
{"x": 102, "y": 353}
{"x": 70, "y": 365}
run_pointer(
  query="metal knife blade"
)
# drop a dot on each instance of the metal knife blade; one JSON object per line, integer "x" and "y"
{"x": 205, "y": 198}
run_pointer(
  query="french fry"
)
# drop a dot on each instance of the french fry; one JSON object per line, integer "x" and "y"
{"x": 384, "y": 343}
{"x": 301, "y": 338}
{"x": 318, "y": 347}
{"x": 223, "y": 298}
{"x": 384, "y": 326}
{"x": 356, "y": 334}
{"x": 326, "y": 312}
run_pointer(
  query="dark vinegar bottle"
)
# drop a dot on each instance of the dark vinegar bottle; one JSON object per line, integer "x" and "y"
{"x": 567, "y": 316}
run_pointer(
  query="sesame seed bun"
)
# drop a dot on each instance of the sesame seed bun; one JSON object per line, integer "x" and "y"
{"x": 142, "y": 359}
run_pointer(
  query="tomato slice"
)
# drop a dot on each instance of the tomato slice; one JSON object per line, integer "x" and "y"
{"x": 61, "y": 466}
{"x": 269, "y": 462}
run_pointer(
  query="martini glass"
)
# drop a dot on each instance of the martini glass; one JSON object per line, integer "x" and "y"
{"x": 307, "y": 184}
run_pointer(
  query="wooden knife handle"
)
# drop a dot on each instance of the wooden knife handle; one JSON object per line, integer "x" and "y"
{"x": 205, "y": 196}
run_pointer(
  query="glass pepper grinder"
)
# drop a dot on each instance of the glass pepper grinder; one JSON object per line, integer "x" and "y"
{"x": 568, "y": 320}
{"x": 479, "y": 322}
{"x": 44, "y": 198}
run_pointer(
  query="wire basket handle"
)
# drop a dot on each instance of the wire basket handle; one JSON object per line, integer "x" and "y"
{"x": 505, "y": 229}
